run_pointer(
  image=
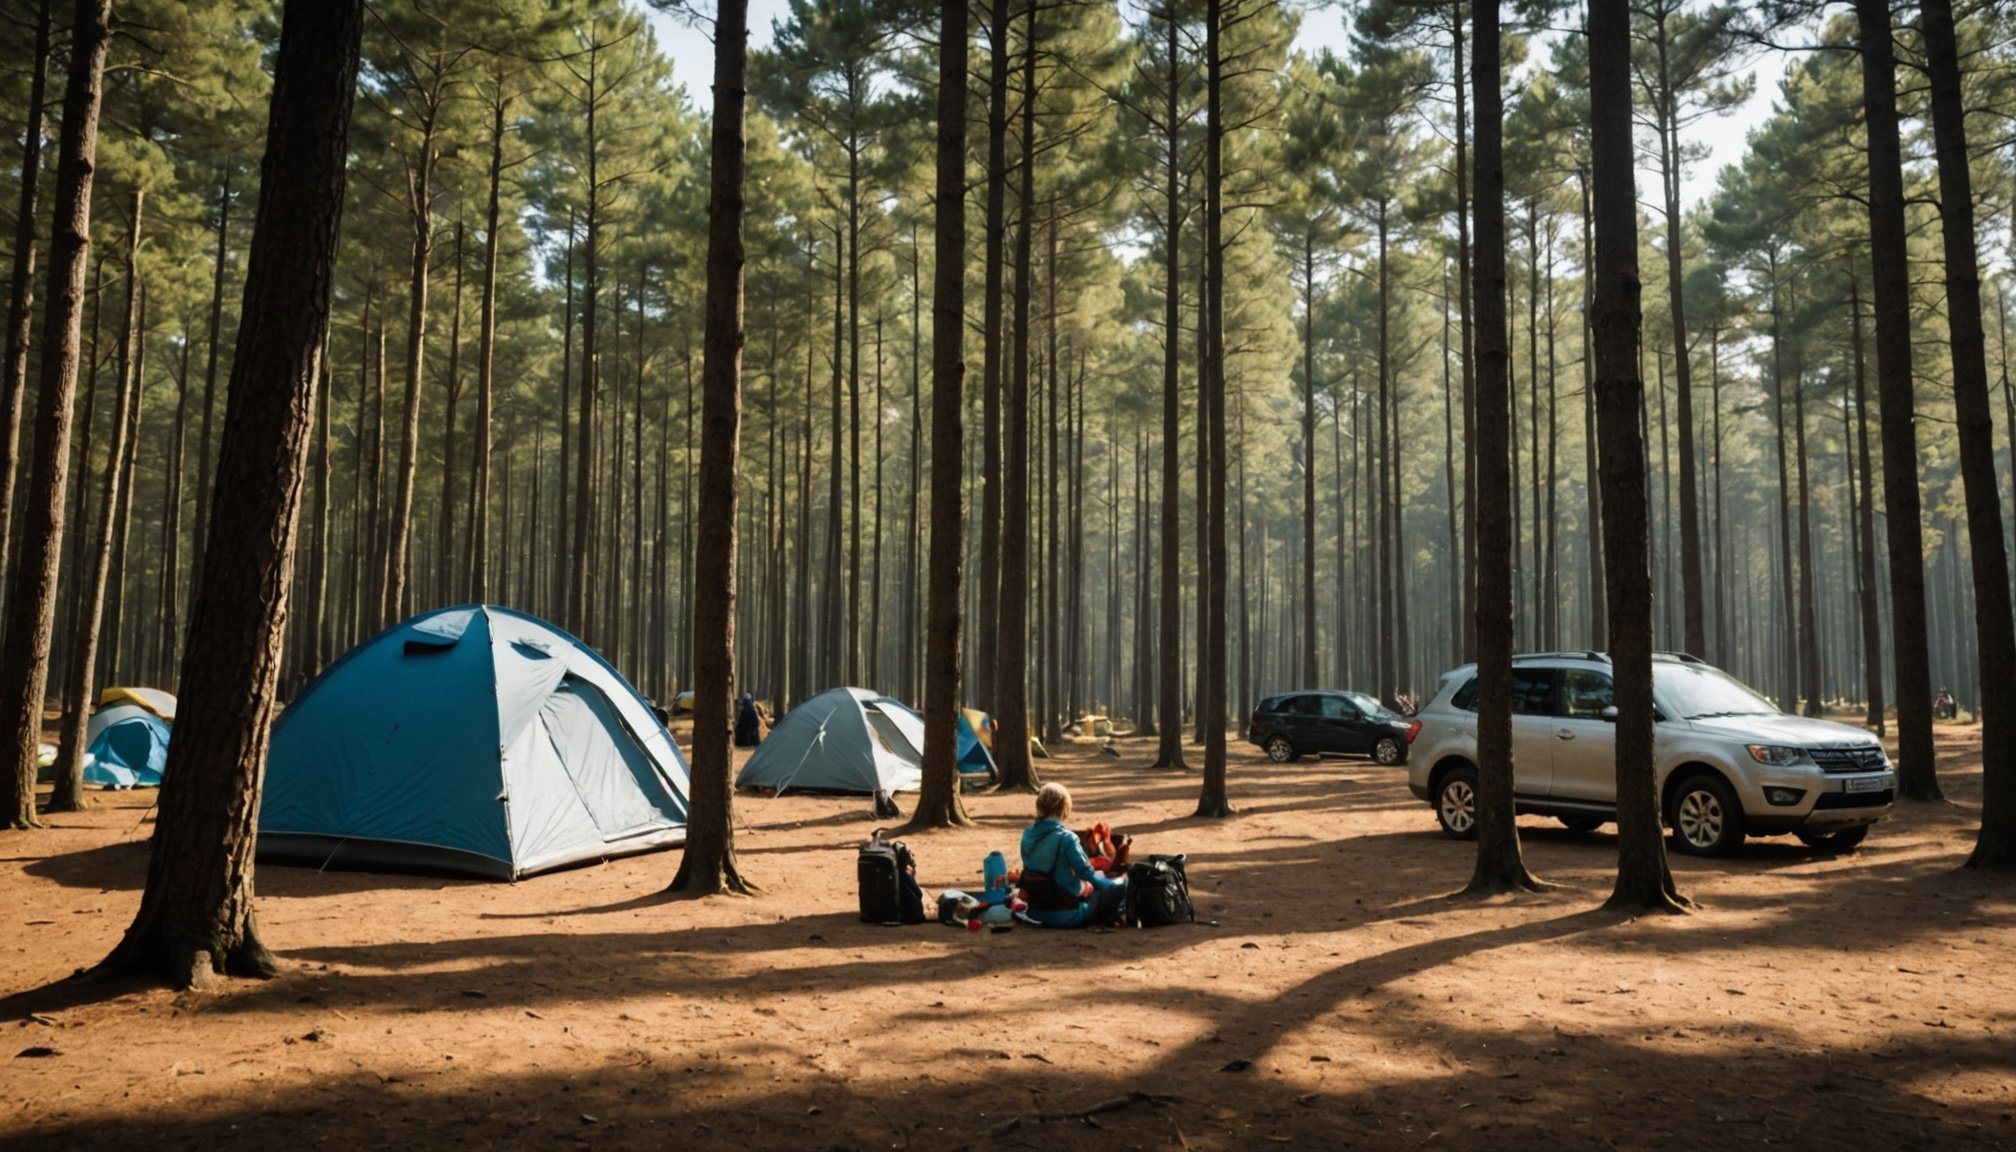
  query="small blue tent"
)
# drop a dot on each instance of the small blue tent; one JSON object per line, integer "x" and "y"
{"x": 473, "y": 739}
{"x": 127, "y": 745}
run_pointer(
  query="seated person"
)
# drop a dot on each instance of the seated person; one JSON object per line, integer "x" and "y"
{"x": 1064, "y": 890}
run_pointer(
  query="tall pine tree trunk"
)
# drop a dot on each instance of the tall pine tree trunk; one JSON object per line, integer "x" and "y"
{"x": 31, "y": 600}
{"x": 986, "y": 643}
{"x": 196, "y": 915}
{"x": 1643, "y": 880}
{"x": 68, "y": 793}
{"x": 1694, "y": 627}
{"x": 938, "y": 803}
{"x": 1467, "y": 351}
{"x": 1891, "y": 275}
{"x": 1599, "y": 612}
{"x": 446, "y": 590}
{"x": 318, "y": 569}
{"x": 1212, "y": 800}
{"x": 1809, "y": 634}
{"x": 1500, "y": 866}
{"x": 398, "y": 525}
{"x": 1169, "y": 642}
{"x": 1011, "y": 744}
{"x": 578, "y": 592}
{"x": 1995, "y": 847}
{"x": 709, "y": 865}
{"x": 478, "y": 534}
{"x": 1866, "y": 590}
{"x": 204, "y": 457}
{"x": 21, "y": 289}
{"x": 1308, "y": 632}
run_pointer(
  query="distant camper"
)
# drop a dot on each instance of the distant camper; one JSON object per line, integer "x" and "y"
{"x": 748, "y": 723}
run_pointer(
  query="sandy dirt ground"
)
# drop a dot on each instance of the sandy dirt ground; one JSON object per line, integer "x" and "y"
{"x": 1333, "y": 995}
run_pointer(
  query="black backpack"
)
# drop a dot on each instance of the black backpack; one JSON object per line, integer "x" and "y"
{"x": 887, "y": 873}
{"x": 1158, "y": 893}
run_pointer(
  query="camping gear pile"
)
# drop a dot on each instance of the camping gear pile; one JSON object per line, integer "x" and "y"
{"x": 1158, "y": 891}
{"x": 474, "y": 740}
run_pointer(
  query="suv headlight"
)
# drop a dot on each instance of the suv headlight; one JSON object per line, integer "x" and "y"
{"x": 1777, "y": 755}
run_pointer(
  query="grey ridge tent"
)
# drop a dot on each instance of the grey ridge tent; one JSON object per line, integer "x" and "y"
{"x": 847, "y": 740}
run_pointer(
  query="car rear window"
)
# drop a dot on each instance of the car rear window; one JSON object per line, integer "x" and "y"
{"x": 1466, "y": 696}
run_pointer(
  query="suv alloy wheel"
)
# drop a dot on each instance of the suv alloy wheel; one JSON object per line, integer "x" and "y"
{"x": 1456, "y": 803}
{"x": 1707, "y": 820}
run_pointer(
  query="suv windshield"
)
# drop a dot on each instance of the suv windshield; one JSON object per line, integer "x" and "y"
{"x": 1367, "y": 704}
{"x": 1697, "y": 692}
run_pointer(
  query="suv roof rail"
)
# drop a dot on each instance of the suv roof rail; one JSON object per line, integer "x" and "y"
{"x": 1583, "y": 655}
{"x": 1681, "y": 657}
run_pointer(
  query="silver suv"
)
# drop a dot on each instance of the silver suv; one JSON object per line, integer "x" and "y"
{"x": 1729, "y": 763}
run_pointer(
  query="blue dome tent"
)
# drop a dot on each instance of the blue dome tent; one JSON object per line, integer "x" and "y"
{"x": 474, "y": 739}
{"x": 126, "y": 743}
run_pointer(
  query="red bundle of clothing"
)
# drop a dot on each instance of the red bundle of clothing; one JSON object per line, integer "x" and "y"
{"x": 1108, "y": 851}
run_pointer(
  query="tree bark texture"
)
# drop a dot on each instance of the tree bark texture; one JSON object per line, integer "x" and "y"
{"x": 1872, "y": 639}
{"x": 1995, "y": 633}
{"x": 938, "y": 803}
{"x": 486, "y": 356}
{"x": 196, "y": 913}
{"x": 1169, "y": 614}
{"x": 1891, "y": 278}
{"x": 1500, "y": 866}
{"x": 21, "y": 287}
{"x": 76, "y": 697}
{"x": 1212, "y": 800}
{"x": 31, "y": 601}
{"x": 1643, "y": 879}
{"x": 1011, "y": 656}
{"x": 398, "y": 525}
{"x": 987, "y": 642}
{"x": 1694, "y": 628}
{"x": 709, "y": 866}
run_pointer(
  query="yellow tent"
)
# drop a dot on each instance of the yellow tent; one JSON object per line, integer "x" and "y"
{"x": 154, "y": 700}
{"x": 983, "y": 726}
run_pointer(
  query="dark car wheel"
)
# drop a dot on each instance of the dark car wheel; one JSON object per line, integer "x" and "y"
{"x": 1280, "y": 751}
{"x": 1456, "y": 803}
{"x": 1706, "y": 818}
{"x": 1389, "y": 750}
{"x": 1839, "y": 840}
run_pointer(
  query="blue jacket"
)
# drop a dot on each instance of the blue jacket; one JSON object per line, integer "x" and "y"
{"x": 1048, "y": 846}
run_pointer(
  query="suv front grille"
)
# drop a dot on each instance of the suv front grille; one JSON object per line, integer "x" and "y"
{"x": 1864, "y": 759}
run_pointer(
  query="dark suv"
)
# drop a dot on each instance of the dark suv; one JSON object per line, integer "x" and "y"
{"x": 1297, "y": 724}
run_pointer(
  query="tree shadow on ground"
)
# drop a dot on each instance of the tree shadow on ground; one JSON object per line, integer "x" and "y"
{"x": 1441, "y": 1083}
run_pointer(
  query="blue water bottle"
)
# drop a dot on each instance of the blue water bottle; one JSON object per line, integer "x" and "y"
{"x": 997, "y": 872}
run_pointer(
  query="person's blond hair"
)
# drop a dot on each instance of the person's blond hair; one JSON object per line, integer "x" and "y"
{"x": 1053, "y": 802}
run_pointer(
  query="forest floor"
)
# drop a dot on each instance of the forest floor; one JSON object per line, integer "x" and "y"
{"x": 1334, "y": 994}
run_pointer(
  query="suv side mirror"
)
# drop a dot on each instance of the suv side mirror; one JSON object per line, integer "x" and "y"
{"x": 1608, "y": 715}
